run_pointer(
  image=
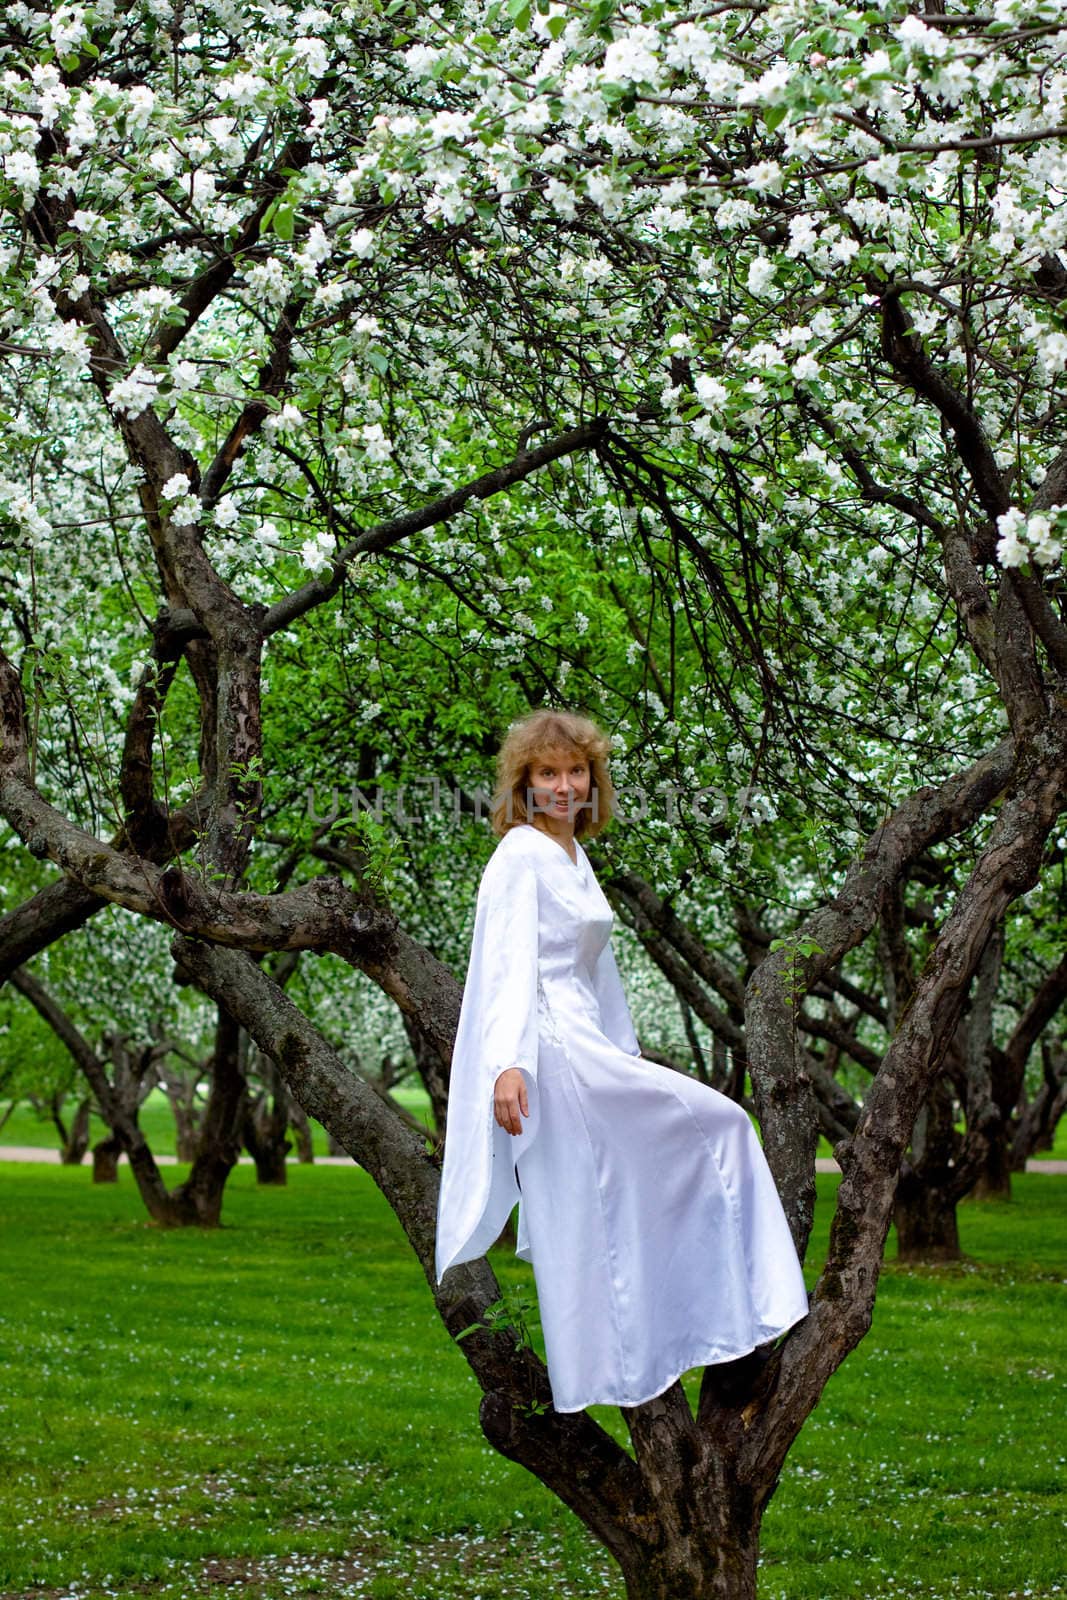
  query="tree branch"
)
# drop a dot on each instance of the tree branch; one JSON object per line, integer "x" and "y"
{"x": 385, "y": 534}
{"x": 783, "y": 1095}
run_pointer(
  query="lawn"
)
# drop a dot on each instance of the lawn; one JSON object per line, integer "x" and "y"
{"x": 273, "y": 1409}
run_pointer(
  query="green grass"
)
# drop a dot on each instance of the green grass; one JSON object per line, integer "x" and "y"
{"x": 1059, "y": 1144}
{"x": 274, "y": 1409}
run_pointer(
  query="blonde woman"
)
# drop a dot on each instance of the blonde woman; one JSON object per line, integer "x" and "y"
{"x": 646, "y": 1206}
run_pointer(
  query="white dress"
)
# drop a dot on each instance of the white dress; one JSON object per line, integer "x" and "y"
{"x": 647, "y": 1209}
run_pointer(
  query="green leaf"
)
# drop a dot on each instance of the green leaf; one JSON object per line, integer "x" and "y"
{"x": 284, "y": 222}
{"x": 774, "y": 116}
{"x": 379, "y": 361}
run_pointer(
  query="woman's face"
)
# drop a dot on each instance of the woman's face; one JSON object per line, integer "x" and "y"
{"x": 560, "y": 780}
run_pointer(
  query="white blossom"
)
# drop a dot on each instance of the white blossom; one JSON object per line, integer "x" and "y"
{"x": 375, "y": 445}
{"x": 226, "y": 512}
{"x": 760, "y": 274}
{"x": 68, "y": 28}
{"x": 1053, "y": 350}
{"x": 765, "y": 177}
{"x": 712, "y": 394}
{"x": 21, "y": 169}
{"x": 187, "y": 512}
{"x": 176, "y": 487}
{"x": 317, "y": 554}
{"x": 134, "y": 393}
{"x": 185, "y": 376}
{"x": 312, "y": 52}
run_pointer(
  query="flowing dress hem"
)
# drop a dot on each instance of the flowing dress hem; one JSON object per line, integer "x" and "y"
{"x": 711, "y": 1356}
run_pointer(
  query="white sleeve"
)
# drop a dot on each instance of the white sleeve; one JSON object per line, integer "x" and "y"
{"x": 614, "y": 1012}
{"x": 500, "y": 993}
{"x": 498, "y": 1028}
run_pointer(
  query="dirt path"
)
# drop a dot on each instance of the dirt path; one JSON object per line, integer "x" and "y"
{"x": 30, "y": 1152}
{"x": 27, "y": 1152}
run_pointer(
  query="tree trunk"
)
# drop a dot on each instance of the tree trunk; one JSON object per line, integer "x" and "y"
{"x": 688, "y": 1572}
{"x": 925, "y": 1218}
{"x": 924, "y": 1207}
{"x": 265, "y": 1141}
{"x": 300, "y": 1128}
{"x": 709, "y": 1555}
{"x": 265, "y": 1123}
{"x": 185, "y": 1147}
{"x": 994, "y": 1181}
{"x": 106, "y": 1160}
{"x": 199, "y": 1198}
{"x": 184, "y": 1130}
{"x": 431, "y": 1070}
{"x": 1039, "y": 1118}
{"x": 77, "y": 1142}
{"x": 687, "y": 1525}
{"x": 270, "y": 1164}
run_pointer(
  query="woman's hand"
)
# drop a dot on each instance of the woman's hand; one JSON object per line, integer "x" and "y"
{"x": 509, "y": 1098}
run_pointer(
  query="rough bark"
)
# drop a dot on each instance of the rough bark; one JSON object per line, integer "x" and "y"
{"x": 432, "y": 1069}
{"x": 301, "y": 1131}
{"x": 925, "y": 1220}
{"x": 708, "y": 1517}
{"x": 994, "y": 1180}
{"x": 65, "y": 906}
{"x": 924, "y": 1206}
{"x": 199, "y": 1199}
{"x": 265, "y": 1123}
{"x": 106, "y": 1154}
{"x": 181, "y": 1089}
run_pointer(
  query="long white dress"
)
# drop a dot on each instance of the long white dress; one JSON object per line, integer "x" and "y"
{"x": 647, "y": 1209}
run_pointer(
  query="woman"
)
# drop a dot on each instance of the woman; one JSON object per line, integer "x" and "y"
{"x": 656, "y": 1234}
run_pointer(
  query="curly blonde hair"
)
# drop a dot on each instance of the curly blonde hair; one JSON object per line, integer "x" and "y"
{"x": 533, "y": 736}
